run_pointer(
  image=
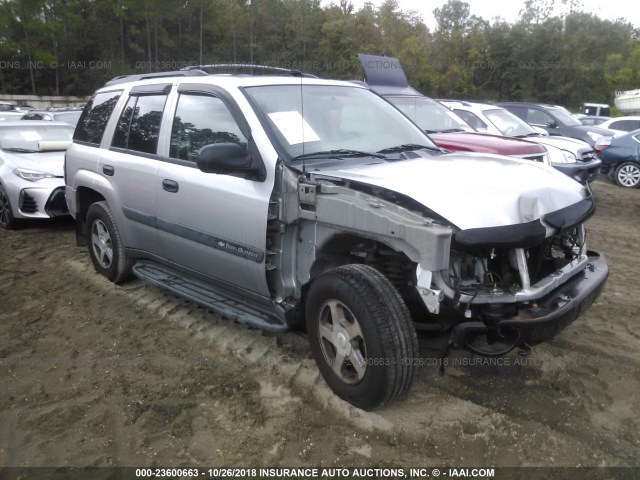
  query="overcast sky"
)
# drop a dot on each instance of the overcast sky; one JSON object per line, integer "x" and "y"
{"x": 488, "y": 9}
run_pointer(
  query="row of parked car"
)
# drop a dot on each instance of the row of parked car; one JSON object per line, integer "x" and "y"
{"x": 10, "y": 112}
{"x": 579, "y": 150}
{"x": 287, "y": 201}
{"x": 619, "y": 125}
{"x": 620, "y": 153}
{"x": 616, "y": 140}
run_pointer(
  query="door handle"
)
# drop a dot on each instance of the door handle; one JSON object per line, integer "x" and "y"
{"x": 108, "y": 170}
{"x": 170, "y": 185}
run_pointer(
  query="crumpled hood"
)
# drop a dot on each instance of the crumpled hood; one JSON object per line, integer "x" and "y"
{"x": 472, "y": 190}
{"x": 49, "y": 162}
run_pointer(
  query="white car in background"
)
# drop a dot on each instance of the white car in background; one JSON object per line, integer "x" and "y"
{"x": 10, "y": 116}
{"x": 622, "y": 125}
{"x": 571, "y": 156}
{"x": 32, "y": 170}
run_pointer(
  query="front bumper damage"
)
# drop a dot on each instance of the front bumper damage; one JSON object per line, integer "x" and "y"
{"x": 516, "y": 284}
{"x": 581, "y": 172}
{"x": 537, "y": 321}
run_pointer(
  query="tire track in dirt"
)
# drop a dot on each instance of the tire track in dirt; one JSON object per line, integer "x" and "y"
{"x": 132, "y": 375}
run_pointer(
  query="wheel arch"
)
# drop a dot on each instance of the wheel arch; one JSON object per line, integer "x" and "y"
{"x": 394, "y": 260}
{"x": 343, "y": 248}
{"x": 85, "y": 197}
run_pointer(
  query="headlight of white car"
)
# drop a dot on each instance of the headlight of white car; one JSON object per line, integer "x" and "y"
{"x": 557, "y": 155}
{"x": 32, "y": 175}
{"x": 594, "y": 136}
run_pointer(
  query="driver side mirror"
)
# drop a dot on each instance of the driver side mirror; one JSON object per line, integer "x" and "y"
{"x": 552, "y": 124}
{"x": 225, "y": 158}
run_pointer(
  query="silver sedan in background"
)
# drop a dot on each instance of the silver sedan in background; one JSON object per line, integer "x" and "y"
{"x": 32, "y": 170}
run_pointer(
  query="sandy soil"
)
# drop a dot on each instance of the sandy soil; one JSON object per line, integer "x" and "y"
{"x": 94, "y": 374}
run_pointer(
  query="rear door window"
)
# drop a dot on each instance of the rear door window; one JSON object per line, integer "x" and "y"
{"x": 139, "y": 124}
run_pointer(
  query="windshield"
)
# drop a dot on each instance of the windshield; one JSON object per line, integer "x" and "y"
{"x": 566, "y": 118}
{"x": 323, "y": 118}
{"x": 27, "y": 137}
{"x": 508, "y": 123}
{"x": 429, "y": 115}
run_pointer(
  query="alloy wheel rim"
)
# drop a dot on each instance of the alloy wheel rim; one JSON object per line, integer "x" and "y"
{"x": 342, "y": 342}
{"x": 629, "y": 175}
{"x": 102, "y": 244}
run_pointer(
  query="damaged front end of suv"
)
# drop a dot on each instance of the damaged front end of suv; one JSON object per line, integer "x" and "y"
{"x": 376, "y": 233}
{"x": 521, "y": 284}
{"x": 498, "y": 261}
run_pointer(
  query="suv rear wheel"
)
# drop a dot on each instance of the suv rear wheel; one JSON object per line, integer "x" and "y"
{"x": 361, "y": 336}
{"x": 105, "y": 244}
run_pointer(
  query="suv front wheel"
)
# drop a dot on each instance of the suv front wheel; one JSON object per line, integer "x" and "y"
{"x": 105, "y": 244}
{"x": 361, "y": 335}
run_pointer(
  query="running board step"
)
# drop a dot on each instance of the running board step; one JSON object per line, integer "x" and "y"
{"x": 237, "y": 308}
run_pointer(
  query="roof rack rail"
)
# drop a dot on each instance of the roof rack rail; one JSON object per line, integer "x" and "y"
{"x": 144, "y": 76}
{"x": 248, "y": 66}
{"x": 464, "y": 103}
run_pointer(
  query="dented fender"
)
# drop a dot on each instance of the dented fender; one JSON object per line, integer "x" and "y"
{"x": 327, "y": 210}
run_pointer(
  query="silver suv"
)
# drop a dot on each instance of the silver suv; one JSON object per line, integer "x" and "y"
{"x": 285, "y": 201}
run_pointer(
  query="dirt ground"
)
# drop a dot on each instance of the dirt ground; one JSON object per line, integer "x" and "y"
{"x": 94, "y": 374}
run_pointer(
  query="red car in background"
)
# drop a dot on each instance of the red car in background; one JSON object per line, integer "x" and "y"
{"x": 385, "y": 76}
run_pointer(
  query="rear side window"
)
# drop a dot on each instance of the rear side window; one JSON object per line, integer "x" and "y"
{"x": 95, "y": 117}
{"x": 139, "y": 124}
{"x": 538, "y": 117}
{"x": 471, "y": 118}
{"x": 626, "y": 125}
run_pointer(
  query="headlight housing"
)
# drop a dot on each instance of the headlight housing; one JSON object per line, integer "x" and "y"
{"x": 558, "y": 155}
{"x": 32, "y": 175}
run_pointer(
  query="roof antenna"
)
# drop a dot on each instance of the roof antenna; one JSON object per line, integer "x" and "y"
{"x": 304, "y": 162}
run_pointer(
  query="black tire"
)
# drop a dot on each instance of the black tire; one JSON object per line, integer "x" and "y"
{"x": 628, "y": 175}
{"x": 105, "y": 244}
{"x": 362, "y": 300}
{"x": 7, "y": 220}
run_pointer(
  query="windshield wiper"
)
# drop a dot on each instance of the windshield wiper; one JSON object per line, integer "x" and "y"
{"x": 19, "y": 150}
{"x": 408, "y": 147}
{"x": 445, "y": 130}
{"x": 339, "y": 153}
